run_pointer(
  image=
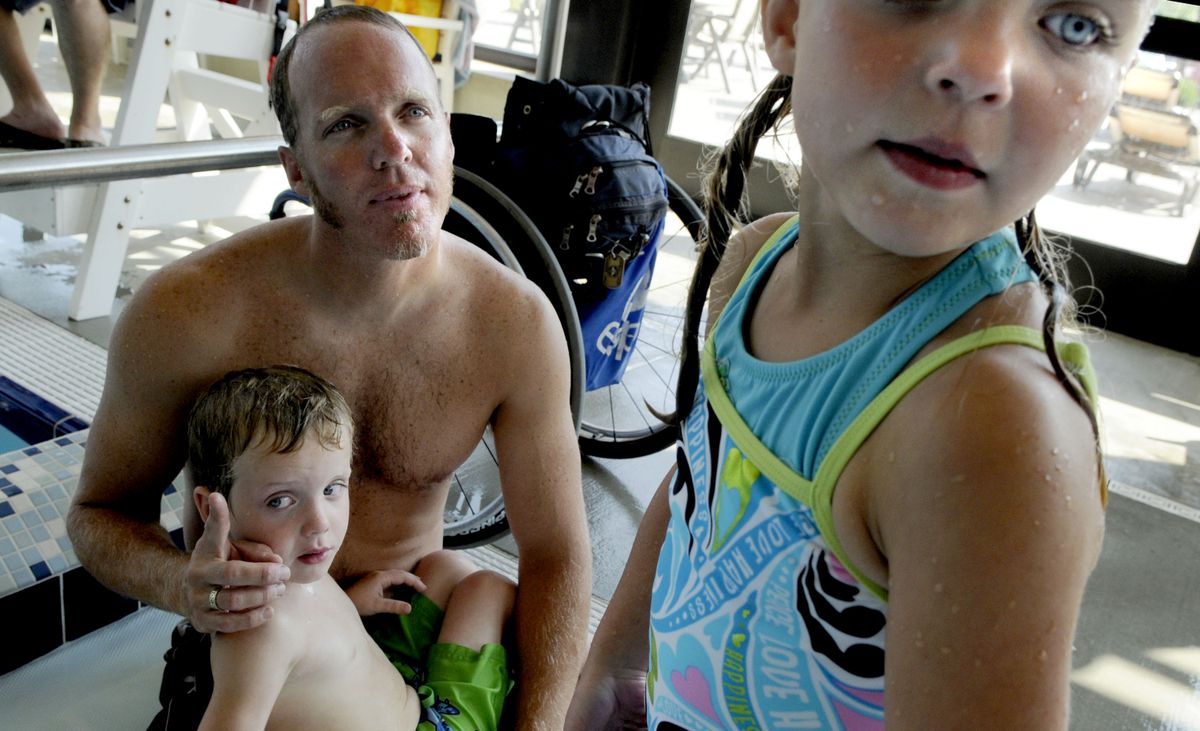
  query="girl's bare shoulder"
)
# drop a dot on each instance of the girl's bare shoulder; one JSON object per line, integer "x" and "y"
{"x": 739, "y": 252}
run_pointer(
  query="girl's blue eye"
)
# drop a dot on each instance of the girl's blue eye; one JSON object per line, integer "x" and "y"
{"x": 334, "y": 489}
{"x": 1074, "y": 29}
{"x": 279, "y": 501}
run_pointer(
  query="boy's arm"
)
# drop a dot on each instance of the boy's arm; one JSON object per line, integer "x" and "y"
{"x": 249, "y": 670}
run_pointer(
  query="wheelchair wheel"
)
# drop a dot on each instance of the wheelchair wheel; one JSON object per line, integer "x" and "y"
{"x": 482, "y": 214}
{"x": 474, "y": 513}
{"x": 621, "y": 421}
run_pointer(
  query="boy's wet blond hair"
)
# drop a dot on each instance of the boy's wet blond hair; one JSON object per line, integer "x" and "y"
{"x": 278, "y": 406}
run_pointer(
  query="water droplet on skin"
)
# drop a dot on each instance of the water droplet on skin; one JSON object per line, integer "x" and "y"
{"x": 1046, "y": 477}
{"x": 1083, "y": 96}
{"x": 1042, "y": 656}
{"x": 1074, "y": 125}
{"x": 1058, "y": 90}
{"x": 877, "y": 200}
{"x": 1056, "y": 450}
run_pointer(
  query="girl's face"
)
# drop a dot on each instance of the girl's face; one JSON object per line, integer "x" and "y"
{"x": 931, "y": 123}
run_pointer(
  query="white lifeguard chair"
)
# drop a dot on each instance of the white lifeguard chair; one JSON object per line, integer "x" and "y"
{"x": 171, "y": 36}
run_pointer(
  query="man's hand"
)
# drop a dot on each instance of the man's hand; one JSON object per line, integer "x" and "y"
{"x": 370, "y": 593}
{"x": 615, "y": 701}
{"x": 247, "y": 576}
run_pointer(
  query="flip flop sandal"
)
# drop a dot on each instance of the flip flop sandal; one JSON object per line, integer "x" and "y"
{"x": 73, "y": 143}
{"x": 11, "y": 136}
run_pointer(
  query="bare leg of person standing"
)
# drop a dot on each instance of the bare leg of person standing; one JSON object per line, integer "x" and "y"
{"x": 83, "y": 39}
{"x": 31, "y": 112}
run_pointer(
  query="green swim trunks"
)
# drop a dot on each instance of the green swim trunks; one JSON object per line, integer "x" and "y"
{"x": 460, "y": 689}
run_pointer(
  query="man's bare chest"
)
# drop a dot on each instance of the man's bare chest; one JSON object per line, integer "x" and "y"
{"x": 420, "y": 404}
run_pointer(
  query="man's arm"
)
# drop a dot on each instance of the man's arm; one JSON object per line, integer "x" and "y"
{"x": 540, "y": 475}
{"x": 136, "y": 447}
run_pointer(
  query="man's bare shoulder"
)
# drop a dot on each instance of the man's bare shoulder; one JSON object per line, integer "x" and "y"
{"x": 226, "y": 267}
{"x": 491, "y": 293}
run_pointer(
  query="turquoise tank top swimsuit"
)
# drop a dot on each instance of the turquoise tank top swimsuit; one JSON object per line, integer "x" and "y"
{"x": 758, "y": 621}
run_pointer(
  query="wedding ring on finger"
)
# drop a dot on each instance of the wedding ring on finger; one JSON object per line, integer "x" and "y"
{"x": 212, "y": 599}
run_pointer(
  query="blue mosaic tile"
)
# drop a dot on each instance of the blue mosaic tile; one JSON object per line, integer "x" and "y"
{"x": 12, "y": 523}
{"x": 39, "y": 533}
{"x": 14, "y": 563}
{"x": 31, "y": 555}
{"x": 64, "y": 543}
{"x": 7, "y": 584}
{"x": 6, "y": 546}
{"x": 23, "y": 540}
{"x": 24, "y": 577}
{"x": 62, "y": 441}
{"x": 31, "y": 519}
{"x": 40, "y": 570}
{"x": 170, "y": 490}
{"x": 10, "y": 489}
{"x": 48, "y": 512}
{"x": 5, "y": 509}
{"x": 4, "y": 482}
{"x": 32, "y": 451}
{"x": 8, "y": 469}
{"x": 58, "y": 564}
{"x": 39, "y": 498}
{"x": 56, "y": 492}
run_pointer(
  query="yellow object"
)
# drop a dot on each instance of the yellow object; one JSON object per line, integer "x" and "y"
{"x": 427, "y": 37}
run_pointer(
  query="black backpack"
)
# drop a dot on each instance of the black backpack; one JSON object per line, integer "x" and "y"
{"x": 577, "y": 159}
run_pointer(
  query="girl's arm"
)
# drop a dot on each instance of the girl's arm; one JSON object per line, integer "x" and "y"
{"x": 990, "y": 519}
{"x": 249, "y": 670}
{"x": 611, "y": 691}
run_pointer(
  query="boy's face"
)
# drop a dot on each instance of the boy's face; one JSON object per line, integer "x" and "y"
{"x": 297, "y": 503}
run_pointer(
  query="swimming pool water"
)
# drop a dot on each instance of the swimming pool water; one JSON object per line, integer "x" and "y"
{"x": 10, "y": 442}
{"x": 26, "y": 418}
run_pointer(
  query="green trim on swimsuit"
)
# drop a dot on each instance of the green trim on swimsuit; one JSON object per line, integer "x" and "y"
{"x": 818, "y": 494}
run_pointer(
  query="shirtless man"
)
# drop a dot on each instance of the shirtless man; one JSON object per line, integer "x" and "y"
{"x": 427, "y": 337}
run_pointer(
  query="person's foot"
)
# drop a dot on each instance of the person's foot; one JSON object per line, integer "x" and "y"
{"x": 92, "y": 135}
{"x": 42, "y": 124}
{"x": 15, "y": 138}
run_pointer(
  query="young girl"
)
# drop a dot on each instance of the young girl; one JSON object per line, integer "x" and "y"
{"x": 889, "y": 496}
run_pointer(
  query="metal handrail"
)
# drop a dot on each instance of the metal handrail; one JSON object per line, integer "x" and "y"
{"x": 32, "y": 170}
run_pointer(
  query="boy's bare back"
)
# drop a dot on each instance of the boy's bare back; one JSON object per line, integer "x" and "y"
{"x": 327, "y": 671}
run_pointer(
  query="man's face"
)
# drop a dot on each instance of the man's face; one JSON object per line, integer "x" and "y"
{"x": 373, "y": 146}
{"x": 297, "y": 503}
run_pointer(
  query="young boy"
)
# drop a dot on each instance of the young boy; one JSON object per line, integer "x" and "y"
{"x": 270, "y": 450}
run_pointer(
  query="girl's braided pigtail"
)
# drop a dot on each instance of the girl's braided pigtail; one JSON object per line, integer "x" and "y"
{"x": 724, "y": 205}
{"x": 1049, "y": 262}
